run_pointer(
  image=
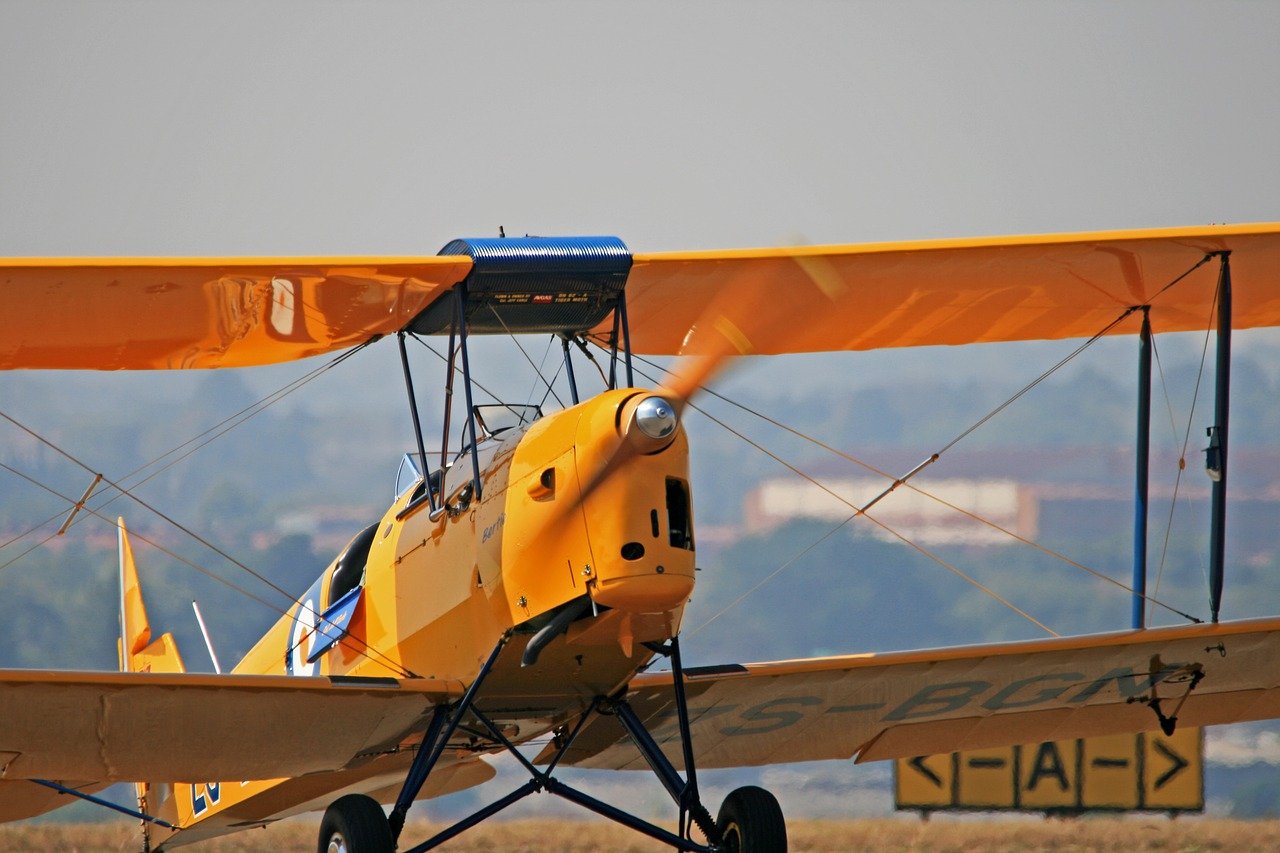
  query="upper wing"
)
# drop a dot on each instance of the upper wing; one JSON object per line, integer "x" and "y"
{"x": 875, "y": 295}
{"x": 902, "y": 704}
{"x": 141, "y": 313}
{"x": 231, "y": 312}
{"x": 186, "y": 727}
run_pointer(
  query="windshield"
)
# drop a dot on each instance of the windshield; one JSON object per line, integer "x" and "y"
{"x": 409, "y": 474}
{"x": 493, "y": 419}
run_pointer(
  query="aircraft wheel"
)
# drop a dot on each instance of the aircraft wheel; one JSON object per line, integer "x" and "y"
{"x": 751, "y": 821}
{"x": 355, "y": 824}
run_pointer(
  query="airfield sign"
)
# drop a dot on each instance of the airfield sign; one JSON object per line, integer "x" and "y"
{"x": 1147, "y": 771}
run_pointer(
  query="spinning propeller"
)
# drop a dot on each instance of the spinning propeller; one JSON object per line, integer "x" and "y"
{"x": 756, "y": 308}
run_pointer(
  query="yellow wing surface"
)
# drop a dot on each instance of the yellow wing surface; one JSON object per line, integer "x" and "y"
{"x": 875, "y": 295}
{"x": 902, "y": 704}
{"x": 151, "y": 313}
{"x": 187, "y": 727}
{"x": 146, "y": 313}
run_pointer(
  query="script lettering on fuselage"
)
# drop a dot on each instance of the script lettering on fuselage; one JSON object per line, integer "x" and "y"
{"x": 493, "y": 528}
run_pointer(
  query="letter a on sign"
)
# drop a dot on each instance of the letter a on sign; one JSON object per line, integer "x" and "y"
{"x": 1048, "y": 775}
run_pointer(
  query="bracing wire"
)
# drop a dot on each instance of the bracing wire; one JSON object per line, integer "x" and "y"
{"x": 960, "y": 437}
{"x": 903, "y": 481}
{"x": 367, "y": 649}
{"x": 533, "y": 387}
{"x": 537, "y": 371}
{"x": 217, "y": 430}
{"x": 858, "y": 511}
{"x": 1186, "y": 441}
{"x": 126, "y": 492}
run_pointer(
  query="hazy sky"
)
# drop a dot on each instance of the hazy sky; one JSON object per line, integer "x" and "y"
{"x": 321, "y": 127}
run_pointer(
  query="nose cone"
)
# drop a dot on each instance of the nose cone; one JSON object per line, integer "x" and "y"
{"x": 656, "y": 417}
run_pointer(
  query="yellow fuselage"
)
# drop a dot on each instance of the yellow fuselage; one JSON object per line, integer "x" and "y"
{"x": 439, "y": 593}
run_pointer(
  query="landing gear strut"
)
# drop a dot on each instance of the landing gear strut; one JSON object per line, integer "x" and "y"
{"x": 750, "y": 820}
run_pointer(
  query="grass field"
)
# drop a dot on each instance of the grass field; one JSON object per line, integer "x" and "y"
{"x": 939, "y": 834}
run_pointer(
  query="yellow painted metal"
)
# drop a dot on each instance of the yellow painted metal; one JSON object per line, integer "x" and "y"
{"x": 438, "y": 593}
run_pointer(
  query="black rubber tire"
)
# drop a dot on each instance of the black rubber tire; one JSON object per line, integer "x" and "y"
{"x": 355, "y": 824}
{"x": 751, "y": 821}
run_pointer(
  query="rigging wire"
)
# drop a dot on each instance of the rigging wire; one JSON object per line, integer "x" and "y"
{"x": 1088, "y": 343}
{"x": 126, "y": 492}
{"x": 581, "y": 344}
{"x": 533, "y": 387}
{"x": 902, "y": 481}
{"x": 387, "y": 661}
{"x": 253, "y": 409}
{"x": 1186, "y": 441}
{"x": 536, "y": 370}
{"x": 1042, "y": 377}
{"x": 474, "y": 381}
{"x": 964, "y": 434}
{"x": 554, "y": 377}
{"x": 858, "y": 511}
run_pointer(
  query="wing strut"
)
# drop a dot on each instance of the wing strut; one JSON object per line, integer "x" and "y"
{"x": 1142, "y": 472}
{"x": 1216, "y": 453}
{"x": 98, "y": 801}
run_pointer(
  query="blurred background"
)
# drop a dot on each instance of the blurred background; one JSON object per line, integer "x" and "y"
{"x": 292, "y": 128}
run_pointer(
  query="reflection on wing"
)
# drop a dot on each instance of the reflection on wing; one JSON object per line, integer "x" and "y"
{"x": 149, "y": 313}
{"x": 187, "y": 727}
{"x": 878, "y": 295}
{"x": 902, "y": 704}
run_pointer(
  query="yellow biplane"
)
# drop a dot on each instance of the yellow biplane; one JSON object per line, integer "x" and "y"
{"x": 521, "y": 585}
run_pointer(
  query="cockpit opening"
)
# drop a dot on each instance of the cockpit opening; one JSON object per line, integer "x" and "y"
{"x": 349, "y": 572}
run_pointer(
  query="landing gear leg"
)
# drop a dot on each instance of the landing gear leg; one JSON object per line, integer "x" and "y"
{"x": 434, "y": 742}
{"x": 750, "y": 820}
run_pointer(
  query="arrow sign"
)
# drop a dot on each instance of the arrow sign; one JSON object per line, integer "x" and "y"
{"x": 920, "y": 767}
{"x": 1179, "y": 763}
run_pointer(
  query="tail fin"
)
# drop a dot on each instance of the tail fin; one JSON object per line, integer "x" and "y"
{"x": 137, "y": 652}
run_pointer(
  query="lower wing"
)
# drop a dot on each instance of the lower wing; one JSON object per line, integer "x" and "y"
{"x": 187, "y": 727}
{"x": 879, "y": 706}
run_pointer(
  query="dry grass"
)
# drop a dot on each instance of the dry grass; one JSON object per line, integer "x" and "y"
{"x": 940, "y": 834}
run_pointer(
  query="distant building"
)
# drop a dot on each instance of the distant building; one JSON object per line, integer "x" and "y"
{"x": 937, "y": 520}
{"x": 1063, "y": 493}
